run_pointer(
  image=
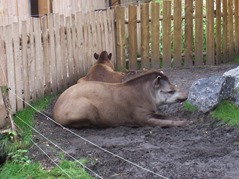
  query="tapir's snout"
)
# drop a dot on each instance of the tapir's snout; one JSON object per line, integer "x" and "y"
{"x": 182, "y": 97}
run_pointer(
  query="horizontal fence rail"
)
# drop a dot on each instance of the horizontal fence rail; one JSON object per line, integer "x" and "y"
{"x": 177, "y": 33}
{"x": 53, "y": 53}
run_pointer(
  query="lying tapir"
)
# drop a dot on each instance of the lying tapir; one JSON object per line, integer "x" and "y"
{"x": 131, "y": 103}
{"x": 103, "y": 70}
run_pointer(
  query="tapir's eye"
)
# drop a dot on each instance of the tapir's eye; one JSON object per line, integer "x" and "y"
{"x": 171, "y": 92}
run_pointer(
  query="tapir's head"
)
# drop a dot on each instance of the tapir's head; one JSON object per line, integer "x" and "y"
{"x": 165, "y": 92}
{"x": 104, "y": 58}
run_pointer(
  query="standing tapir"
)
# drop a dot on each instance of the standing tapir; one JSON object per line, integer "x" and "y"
{"x": 103, "y": 70}
{"x": 131, "y": 103}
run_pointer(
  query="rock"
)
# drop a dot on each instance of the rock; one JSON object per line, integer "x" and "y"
{"x": 234, "y": 73}
{"x": 205, "y": 93}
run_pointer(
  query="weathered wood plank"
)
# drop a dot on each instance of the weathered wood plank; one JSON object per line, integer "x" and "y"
{"x": 188, "y": 33}
{"x": 10, "y": 68}
{"x": 230, "y": 30}
{"x": 177, "y": 19}
{"x": 25, "y": 66}
{"x": 46, "y": 55}
{"x": 210, "y": 32}
{"x": 69, "y": 48}
{"x": 155, "y": 25}
{"x": 236, "y": 2}
{"x": 198, "y": 33}
{"x": 218, "y": 32}
{"x": 39, "y": 59}
{"x": 52, "y": 48}
{"x": 120, "y": 38}
{"x": 166, "y": 34}
{"x": 80, "y": 44}
{"x": 132, "y": 37}
{"x": 63, "y": 52}
{"x": 32, "y": 62}
{"x": 225, "y": 32}
{"x": 58, "y": 52}
{"x": 144, "y": 15}
{"x": 18, "y": 66}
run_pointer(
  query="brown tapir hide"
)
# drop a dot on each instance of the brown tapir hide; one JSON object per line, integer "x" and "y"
{"x": 103, "y": 70}
{"x": 132, "y": 103}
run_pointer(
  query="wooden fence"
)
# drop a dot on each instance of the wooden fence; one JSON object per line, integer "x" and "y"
{"x": 14, "y": 11}
{"x": 68, "y": 7}
{"x": 177, "y": 33}
{"x": 53, "y": 54}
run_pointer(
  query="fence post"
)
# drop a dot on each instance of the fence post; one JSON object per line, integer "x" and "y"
{"x": 166, "y": 33}
{"x": 132, "y": 37}
{"x": 120, "y": 38}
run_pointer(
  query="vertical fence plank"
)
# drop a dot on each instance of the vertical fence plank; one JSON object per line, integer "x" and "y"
{"x": 155, "y": 57}
{"x": 46, "y": 54}
{"x": 80, "y": 44}
{"x": 144, "y": 15}
{"x": 69, "y": 48}
{"x": 225, "y": 32}
{"x": 18, "y": 66}
{"x": 218, "y": 33}
{"x": 58, "y": 52}
{"x": 25, "y": 66}
{"x": 120, "y": 38}
{"x": 198, "y": 33}
{"x": 73, "y": 27}
{"x": 230, "y": 29}
{"x": 188, "y": 33}
{"x": 3, "y": 68}
{"x": 177, "y": 19}
{"x": 236, "y": 26}
{"x": 52, "y": 53}
{"x": 210, "y": 32}
{"x": 10, "y": 68}
{"x": 85, "y": 41}
{"x": 63, "y": 51}
{"x": 39, "y": 59}
{"x": 132, "y": 37}
{"x": 166, "y": 33}
{"x": 32, "y": 62}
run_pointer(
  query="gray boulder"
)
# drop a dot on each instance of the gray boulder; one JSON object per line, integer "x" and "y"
{"x": 234, "y": 73}
{"x": 206, "y": 93}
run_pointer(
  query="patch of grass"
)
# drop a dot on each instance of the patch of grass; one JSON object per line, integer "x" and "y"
{"x": 236, "y": 59}
{"x": 35, "y": 170}
{"x": 227, "y": 112}
{"x": 24, "y": 132}
{"x": 189, "y": 107}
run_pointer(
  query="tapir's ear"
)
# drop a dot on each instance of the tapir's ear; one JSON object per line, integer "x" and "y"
{"x": 156, "y": 82}
{"x": 96, "y": 56}
{"x": 109, "y": 56}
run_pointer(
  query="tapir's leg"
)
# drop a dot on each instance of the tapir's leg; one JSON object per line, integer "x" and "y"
{"x": 82, "y": 114}
{"x": 165, "y": 122}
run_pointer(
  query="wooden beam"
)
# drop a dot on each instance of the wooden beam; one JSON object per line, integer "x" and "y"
{"x": 44, "y": 7}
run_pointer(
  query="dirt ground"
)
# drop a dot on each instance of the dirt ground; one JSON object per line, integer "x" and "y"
{"x": 206, "y": 148}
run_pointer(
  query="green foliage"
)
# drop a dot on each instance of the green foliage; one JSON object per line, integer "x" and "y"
{"x": 24, "y": 132}
{"x": 189, "y": 107}
{"x": 227, "y": 112}
{"x": 35, "y": 170}
{"x": 236, "y": 59}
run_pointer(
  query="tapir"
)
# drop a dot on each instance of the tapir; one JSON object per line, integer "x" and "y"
{"x": 131, "y": 103}
{"x": 103, "y": 70}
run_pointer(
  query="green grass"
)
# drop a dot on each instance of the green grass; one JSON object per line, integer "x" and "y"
{"x": 24, "y": 132}
{"x": 189, "y": 107}
{"x": 236, "y": 59}
{"x": 19, "y": 165}
{"x": 227, "y": 112}
{"x": 35, "y": 170}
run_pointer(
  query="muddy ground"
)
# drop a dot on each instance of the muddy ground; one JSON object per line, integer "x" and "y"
{"x": 206, "y": 148}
